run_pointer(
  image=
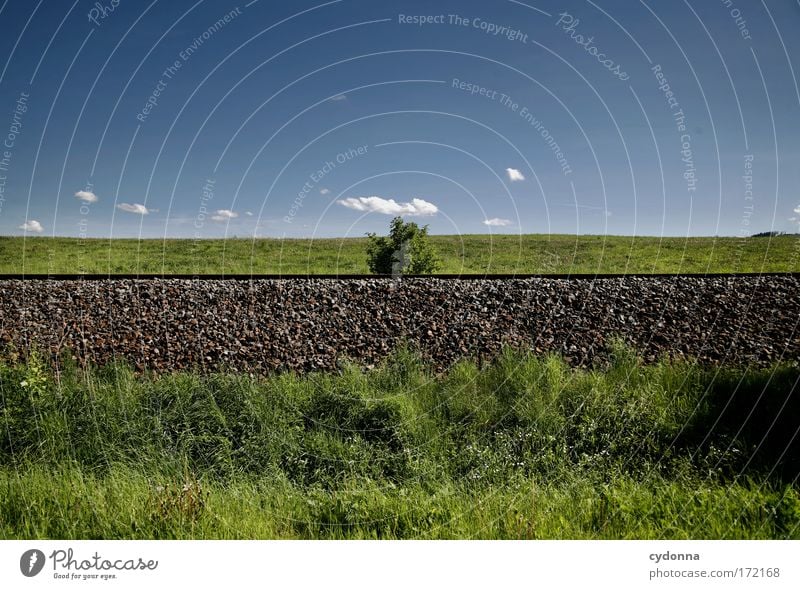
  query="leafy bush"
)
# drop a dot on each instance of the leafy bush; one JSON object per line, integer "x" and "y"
{"x": 405, "y": 250}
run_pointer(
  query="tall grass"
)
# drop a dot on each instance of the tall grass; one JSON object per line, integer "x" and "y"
{"x": 523, "y": 448}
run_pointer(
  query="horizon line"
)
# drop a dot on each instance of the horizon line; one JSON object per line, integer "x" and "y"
{"x": 761, "y": 234}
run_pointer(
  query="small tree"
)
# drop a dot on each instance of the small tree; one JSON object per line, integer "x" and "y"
{"x": 405, "y": 251}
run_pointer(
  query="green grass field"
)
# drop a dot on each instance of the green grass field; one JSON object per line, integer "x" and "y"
{"x": 468, "y": 254}
{"x": 524, "y": 448}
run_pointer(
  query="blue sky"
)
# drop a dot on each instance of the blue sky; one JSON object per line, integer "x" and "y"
{"x": 213, "y": 118}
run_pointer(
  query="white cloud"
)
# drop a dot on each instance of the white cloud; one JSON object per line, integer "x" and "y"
{"x": 86, "y": 196}
{"x": 324, "y": 191}
{"x": 32, "y": 226}
{"x": 339, "y": 97}
{"x": 134, "y": 208}
{"x": 497, "y": 222}
{"x": 797, "y": 210}
{"x": 388, "y": 206}
{"x": 223, "y": 215}
{"x": 248, "y": 213}
{"x": 514, "y": 175}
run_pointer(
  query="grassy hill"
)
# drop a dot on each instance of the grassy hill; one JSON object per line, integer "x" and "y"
{"x": 468, "y": 254}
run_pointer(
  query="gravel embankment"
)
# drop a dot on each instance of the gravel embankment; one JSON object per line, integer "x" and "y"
{"x": 268, "y": 325}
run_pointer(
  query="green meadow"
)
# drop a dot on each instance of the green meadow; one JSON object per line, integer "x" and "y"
{"x": 463, "y": 254}
{"x": 524, "y": 448}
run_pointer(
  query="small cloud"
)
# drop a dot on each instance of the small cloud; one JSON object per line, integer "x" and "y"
{"x": 339, "y": 97}
{"x": 388, "y": 206}
{"x": 86, "y": 196}
{"x": 514, "y": 175}
{"x": 248, "y": 214}
{"x": 223, "y": 215}
{"x": 135, "y": 208}
{"x": 497, "y": 222}
{"x": 32, "y": 226}
{"x": 324, "y": 191}
{"x": 796, "y": 210}
{"x": 608, "y": 213}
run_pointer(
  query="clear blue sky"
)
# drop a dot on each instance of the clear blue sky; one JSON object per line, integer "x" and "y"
{"x": 239, "y": 137}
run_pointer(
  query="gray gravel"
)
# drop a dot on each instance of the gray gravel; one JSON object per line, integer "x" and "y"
{"x": 267, "y": 325}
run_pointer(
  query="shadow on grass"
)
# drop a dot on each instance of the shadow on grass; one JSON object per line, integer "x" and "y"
{"x": 757, "y": 415}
